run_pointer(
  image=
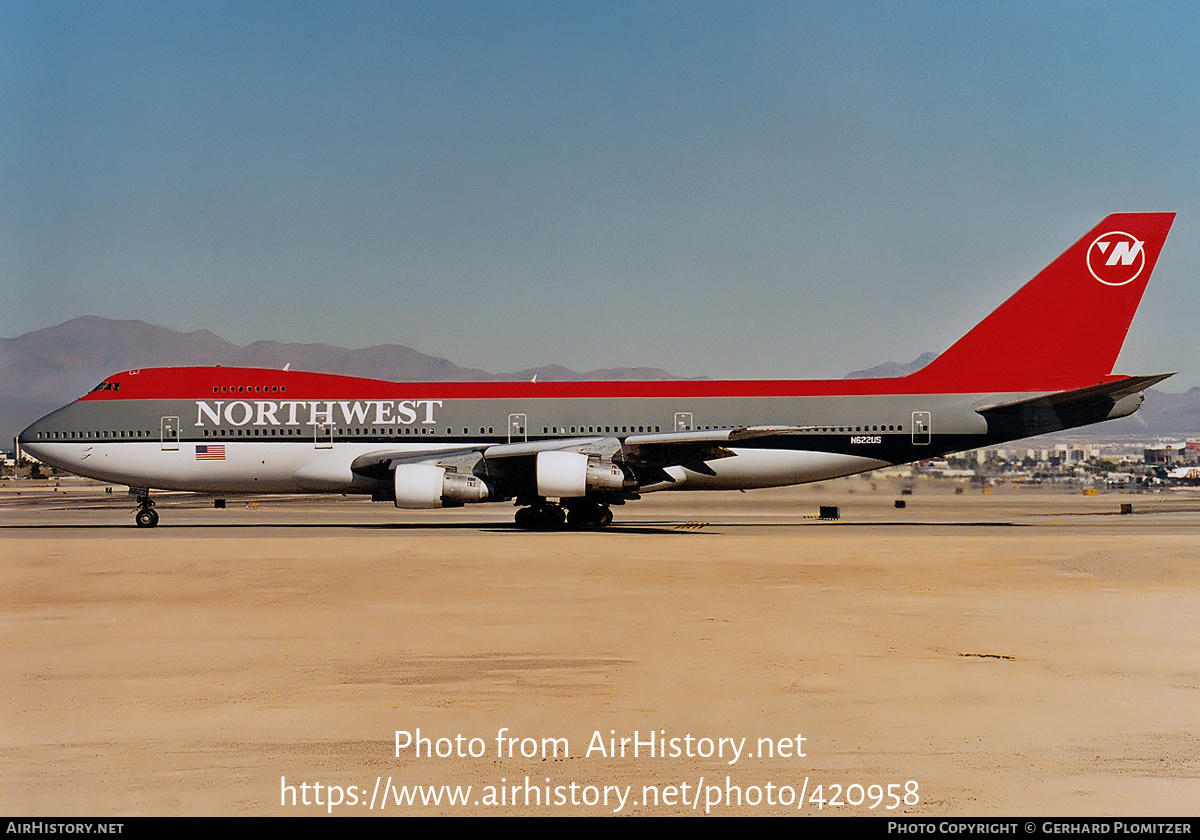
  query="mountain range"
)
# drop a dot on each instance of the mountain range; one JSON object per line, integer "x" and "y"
{"x": 45, "y": 369}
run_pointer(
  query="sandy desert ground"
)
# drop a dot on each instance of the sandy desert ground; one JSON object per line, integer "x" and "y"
{"x": 1017, "y": 653}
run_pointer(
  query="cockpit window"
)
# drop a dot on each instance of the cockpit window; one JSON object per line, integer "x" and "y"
{"x": 107, "y": 386}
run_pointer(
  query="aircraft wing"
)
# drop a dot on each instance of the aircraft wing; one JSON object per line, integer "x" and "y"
{"x": 651, "y": 452}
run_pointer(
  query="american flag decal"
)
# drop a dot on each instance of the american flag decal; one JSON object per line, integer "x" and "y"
{"x": 210, "y": 452}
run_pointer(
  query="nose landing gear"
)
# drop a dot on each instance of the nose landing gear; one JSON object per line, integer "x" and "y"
{"x": 146, "y": 516}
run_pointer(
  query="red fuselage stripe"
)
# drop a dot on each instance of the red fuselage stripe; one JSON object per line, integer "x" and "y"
{"x": 253, "y": 383}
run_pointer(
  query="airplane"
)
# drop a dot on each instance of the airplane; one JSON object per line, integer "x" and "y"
{"x": 565, "y": 453}
{"x": 1189, "y": 474}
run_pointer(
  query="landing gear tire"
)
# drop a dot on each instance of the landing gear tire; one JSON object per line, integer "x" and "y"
{"x": 589, "y": 517}
{"x": 146, "y": 517}
{"x": 524, "y": 518}
{"x": 543, "y": 517}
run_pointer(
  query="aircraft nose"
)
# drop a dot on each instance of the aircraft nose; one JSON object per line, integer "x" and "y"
{"x": 29, "y": 441}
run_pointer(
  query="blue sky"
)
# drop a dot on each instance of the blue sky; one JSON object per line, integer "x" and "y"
{"x": 727, "y": 189}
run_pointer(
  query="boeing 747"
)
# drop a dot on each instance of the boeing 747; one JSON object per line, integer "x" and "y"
{"x": 566, "y": 452}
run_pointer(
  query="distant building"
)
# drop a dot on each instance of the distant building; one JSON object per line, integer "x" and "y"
{"x": 1161, "y": 457}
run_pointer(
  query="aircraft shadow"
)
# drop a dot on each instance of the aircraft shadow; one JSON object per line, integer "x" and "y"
{"x": 682, "y": 528}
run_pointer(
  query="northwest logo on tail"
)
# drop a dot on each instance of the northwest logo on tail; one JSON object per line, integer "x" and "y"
{"x": 1116, "y": 258}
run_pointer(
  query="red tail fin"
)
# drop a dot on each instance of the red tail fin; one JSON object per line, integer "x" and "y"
{"x": 1064, "y": 328}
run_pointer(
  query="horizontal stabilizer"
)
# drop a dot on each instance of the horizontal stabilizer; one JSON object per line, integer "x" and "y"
{"x": 1060, "y": 410}
{"x": 1114, "y": 391}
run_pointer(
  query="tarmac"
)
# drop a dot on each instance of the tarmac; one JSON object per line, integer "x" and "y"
{"x": 1020, "y": 652}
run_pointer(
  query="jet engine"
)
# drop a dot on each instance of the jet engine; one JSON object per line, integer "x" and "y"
{"x": 430, "y": 486}
{"x": 572, "y": 475}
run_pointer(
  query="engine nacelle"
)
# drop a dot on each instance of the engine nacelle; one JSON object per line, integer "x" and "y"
{"x": 572, "y": 475}
{"x": 430, "y": 486}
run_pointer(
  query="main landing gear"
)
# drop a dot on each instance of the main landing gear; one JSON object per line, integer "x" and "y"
{"x": 589, "y": 516}
{"x": 579, "y": 516}
{"x": 146, "y": 516}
